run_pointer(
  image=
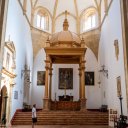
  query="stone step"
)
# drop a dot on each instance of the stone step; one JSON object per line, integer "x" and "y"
{"x": 62, "y": 117}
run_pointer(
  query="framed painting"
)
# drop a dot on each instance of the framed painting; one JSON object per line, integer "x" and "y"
{"x": 65, "y": 78}
{"x": 40, "y": 78}
{"x": 89, "y": 78}
{"x": 118, "y": 86}
{"x": 15, "y": 94}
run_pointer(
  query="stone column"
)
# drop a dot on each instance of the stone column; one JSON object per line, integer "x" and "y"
{"x": 46, "y": 98}
{"x": 83, "y": 99}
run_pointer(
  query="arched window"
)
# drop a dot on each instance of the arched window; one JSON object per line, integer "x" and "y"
{"x": 89, "y": 19}
{"x": 42, "y": 20}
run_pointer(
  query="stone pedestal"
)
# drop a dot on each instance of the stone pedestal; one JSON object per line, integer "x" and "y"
{"x": 46, "y": 105}
{"x": 83, "y": 104}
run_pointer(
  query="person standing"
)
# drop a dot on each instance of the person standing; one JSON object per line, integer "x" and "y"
{"x": 34, "y": 117}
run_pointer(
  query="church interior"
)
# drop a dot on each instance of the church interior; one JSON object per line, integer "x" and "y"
{"x": 70, "y": 59}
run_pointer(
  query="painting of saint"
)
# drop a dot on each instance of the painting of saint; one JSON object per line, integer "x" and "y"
{"x": 41, "y": 78}
{"x": 89, "y": 78}
{"x": 65, "y": 78}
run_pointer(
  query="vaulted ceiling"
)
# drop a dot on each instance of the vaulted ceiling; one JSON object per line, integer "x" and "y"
{"x": 75, "y": 7}
{"x": 57, "y": 8}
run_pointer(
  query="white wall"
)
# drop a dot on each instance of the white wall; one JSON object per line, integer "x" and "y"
{"x": 38, "y": 91}
{"x": 28, "y": 10}
{"x": 19, "y": 31}
{"x": 111, "y": 30}
{"x": 93, "y": 93}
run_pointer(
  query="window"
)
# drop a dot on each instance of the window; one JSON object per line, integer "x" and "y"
{"x": 89, "y": 22}
{"x": 42, "y": 20}
{"x": 89, "y": 19}
{"x": 7, "y": 61}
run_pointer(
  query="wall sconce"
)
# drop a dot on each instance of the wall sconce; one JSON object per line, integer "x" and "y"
{"x": 104, "y": 71}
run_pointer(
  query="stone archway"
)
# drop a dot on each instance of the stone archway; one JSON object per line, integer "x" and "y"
{"x": 2, "y": 99}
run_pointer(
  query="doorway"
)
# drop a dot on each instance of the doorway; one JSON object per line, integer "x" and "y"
{"x": 2, "y": 101}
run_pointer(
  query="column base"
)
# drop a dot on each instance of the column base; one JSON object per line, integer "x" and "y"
{"x": 83, "y": 104}
{"x": 46, "y": 105}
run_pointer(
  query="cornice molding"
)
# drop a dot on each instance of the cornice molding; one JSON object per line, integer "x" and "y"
{"x": 10, "y": 46}
{"x": 8, "y": 73}
{"x": 41, "y": 31}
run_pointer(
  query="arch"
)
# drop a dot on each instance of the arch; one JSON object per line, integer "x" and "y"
{"x": 42, "y": 10}
{"x": 3, "y": 93}
{"x": 89, "y": 19}
{"x": 63, "y": 13}
{"x": 87, "y": 10}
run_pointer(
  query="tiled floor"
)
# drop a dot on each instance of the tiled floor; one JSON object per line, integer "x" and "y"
{"x": 60, "y": 126}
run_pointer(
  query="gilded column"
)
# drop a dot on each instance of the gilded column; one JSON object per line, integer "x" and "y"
{"x": 79, "y": 83}
{"x": 46, "y": 98}
{"x": 50, "y": 83}
{"x": 83, "y": 99}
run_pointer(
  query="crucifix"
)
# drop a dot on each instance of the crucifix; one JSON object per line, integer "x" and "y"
{"x": 66, "y": 13}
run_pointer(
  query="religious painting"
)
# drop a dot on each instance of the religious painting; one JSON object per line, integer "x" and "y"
{"x": 118, "y": 86}
{"x": 89, "y": 78}
{"x": 65, "y": 78}
{"x": 40, "y": 78}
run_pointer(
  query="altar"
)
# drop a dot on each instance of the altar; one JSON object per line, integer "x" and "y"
{"x": 65, "y": 47}
{"x": 65, "y": 98}
{"x": 65, "y": 105}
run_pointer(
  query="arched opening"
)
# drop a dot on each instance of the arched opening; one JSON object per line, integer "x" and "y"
{"x": 3, "y": 93}
{"x": 42, "y": 20}
{"x": 89, "y": 19}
